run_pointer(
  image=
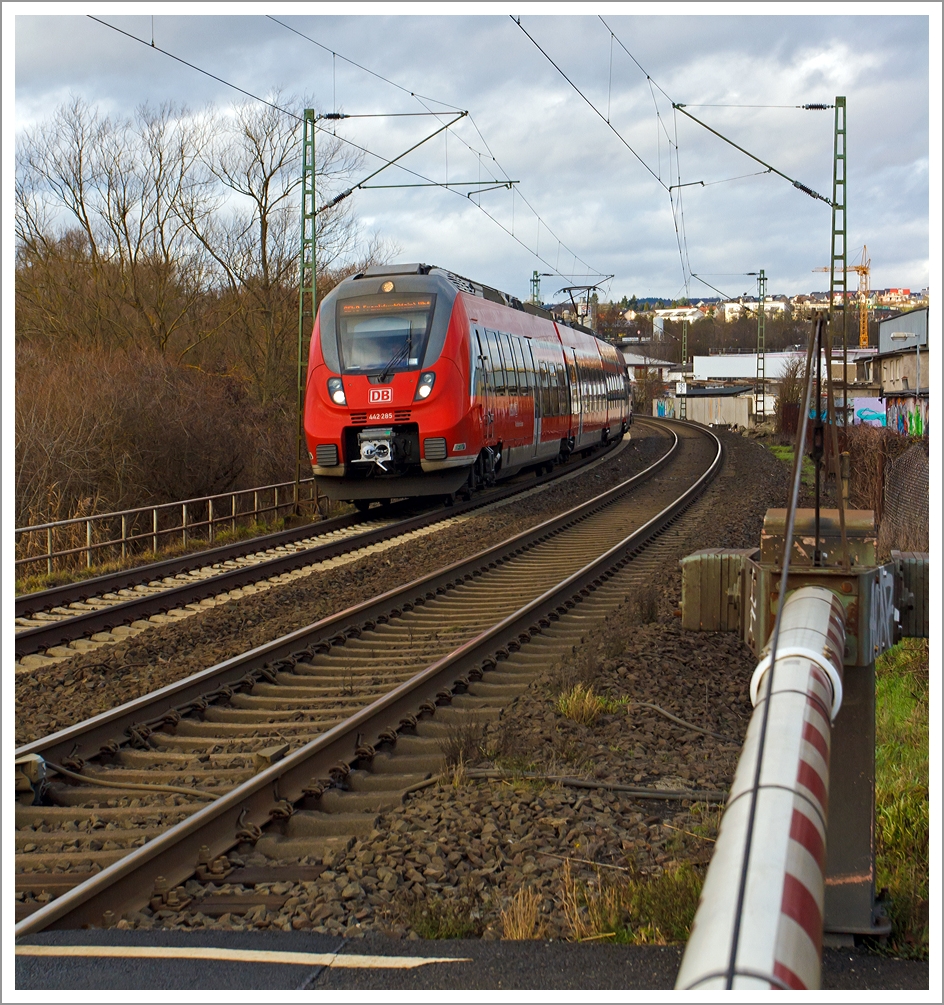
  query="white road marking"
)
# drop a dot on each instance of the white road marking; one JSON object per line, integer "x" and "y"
{"x": 352, "y": 960}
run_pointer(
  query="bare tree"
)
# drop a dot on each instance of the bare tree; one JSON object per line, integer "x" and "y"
{"x": 254, "y": 239}
{"x": 123, "y": 185}
{"x": 156, "y": 300}
{"x": 790, "y": 394}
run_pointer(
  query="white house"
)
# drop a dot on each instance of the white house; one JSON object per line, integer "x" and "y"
{"x": 638, "y": 365}
{"x": 732, "y": 310}
{"x": 689, "y": 314}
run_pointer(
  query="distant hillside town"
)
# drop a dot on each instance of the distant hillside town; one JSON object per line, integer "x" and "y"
{"x": 723, "y": 380}
{"x": 879, "y": 303}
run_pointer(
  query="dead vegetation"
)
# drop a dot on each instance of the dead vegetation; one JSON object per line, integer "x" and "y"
{"x": 157, "y": 301}
{"x": 521, "y": 919}
{"x": 626, "y": 906}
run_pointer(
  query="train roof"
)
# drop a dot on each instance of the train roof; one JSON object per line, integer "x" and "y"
{"x": 468, "y": 286}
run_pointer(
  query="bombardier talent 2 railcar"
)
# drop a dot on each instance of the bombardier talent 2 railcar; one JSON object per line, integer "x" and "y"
{"x": 423, "y": 383}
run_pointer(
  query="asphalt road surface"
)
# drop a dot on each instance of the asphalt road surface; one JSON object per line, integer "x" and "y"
{"x": 266, "y": 960}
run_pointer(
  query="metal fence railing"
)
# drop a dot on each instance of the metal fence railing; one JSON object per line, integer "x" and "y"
{"x": 90, "y": 540}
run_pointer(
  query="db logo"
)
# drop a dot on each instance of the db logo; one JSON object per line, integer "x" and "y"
{"x": 379, "y": 395}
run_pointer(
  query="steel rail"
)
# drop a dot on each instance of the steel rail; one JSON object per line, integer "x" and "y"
{"x": 31, "y": 603}
{"x": 88, "y": 738}
{"x": 173, "y": 855}
{"x": 70, "y": 593}
{"x": 62, "y": 632}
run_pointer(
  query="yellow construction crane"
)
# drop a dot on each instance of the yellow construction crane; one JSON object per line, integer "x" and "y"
{"x": 863, "y": 269}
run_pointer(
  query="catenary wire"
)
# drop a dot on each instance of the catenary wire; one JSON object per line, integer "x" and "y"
{"x": 677, "y": 107}
{"x": 373, "y": 73}
{"x": 363, "y": 149}
{"x": 422, "y": 99}
{"x": 596, "y": 110}
{"x": 678, "y": 214}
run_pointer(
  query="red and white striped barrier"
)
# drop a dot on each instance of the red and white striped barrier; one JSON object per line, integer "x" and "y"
{"x": 771, "y": 937}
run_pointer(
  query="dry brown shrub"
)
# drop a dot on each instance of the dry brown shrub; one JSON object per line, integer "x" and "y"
{"x": 871, "y": 449}
{"x": 580, "y": 704}
{"x": 462, "y": 745}
{"x": 521, "y": 918}
{"x": 112, "y": 429}
{"x": 643, "y": 603}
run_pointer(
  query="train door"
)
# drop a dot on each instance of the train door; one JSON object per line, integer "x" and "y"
{"x": 511, "y": 385}
{"x": 525, "y": 420}
{"x": 484, "y": 388}
{"x": 576, "y": 396}
{"x": 536, "y": 394}
{"x": 497, "y": 378}
{"x": 546, "y": 389}
{"x": 616, "y": 401}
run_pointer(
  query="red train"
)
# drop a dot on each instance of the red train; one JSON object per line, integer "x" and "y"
{"x": 422, "y": 383}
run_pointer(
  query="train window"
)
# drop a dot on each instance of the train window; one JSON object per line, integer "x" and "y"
{"x": 384, "y": 334}
{"x": 481, "y": 365}
{"x": 494, "y": 352}
{"x": 519, "y": 365}
{"x": 511, "y": 376}
{"x": 533, "y": 377}
{"x": 564, "y": 394}
{"x": 546, "y": 406}
{"x": 557, "y": 383}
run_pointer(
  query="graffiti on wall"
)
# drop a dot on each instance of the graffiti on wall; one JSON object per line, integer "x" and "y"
{"x": 664, "y": 408}
{"x": 907, "y": 416}
{"x": 868, "y": 411}
{"x": 884, "y": 616}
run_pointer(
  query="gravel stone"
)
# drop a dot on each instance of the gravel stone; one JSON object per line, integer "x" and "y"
{"x": 60, "y": 694}
{"x": 469, "y": 846}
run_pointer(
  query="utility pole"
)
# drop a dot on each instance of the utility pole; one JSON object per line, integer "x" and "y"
{"x": 760, "y": 382}
{"x": 837, "y": 255}
{"x": 683, "y": 400}
{"x": 306, "y": 287}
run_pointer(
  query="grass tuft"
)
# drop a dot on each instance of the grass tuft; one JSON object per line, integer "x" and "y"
{"x": 582, "y": 705}
{"x": 641, "y": 910}
{"x": 901, "y": 793}
{"x": 440, "y": 918}
{"x": 521, "y": 918}
{"x": 784, "y": 452}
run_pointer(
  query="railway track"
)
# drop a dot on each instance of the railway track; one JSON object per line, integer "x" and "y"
{"x": 311, "y": 735}
{"x": 53, "y": 621}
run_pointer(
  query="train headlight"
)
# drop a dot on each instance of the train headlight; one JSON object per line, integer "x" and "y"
{"x": 425, "y": 386}
{"x": 336, "y": 391}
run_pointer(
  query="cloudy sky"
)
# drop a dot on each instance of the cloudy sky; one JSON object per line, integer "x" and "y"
{"x": 589, "y": 199}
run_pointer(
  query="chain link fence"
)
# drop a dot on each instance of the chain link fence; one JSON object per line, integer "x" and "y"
{"x": 905, "y": 514}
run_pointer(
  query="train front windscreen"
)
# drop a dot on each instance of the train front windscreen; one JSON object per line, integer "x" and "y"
{"x": 384, "y": 333}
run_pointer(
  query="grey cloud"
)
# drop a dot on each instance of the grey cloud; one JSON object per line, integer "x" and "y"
{"x": 586, "y": 185}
